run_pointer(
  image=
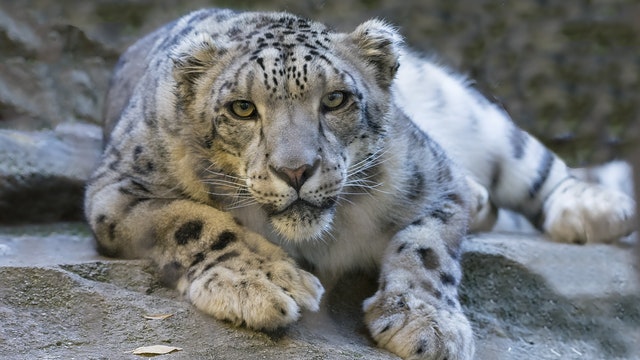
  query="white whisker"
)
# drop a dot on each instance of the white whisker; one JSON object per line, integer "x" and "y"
{"x": 359, "y": 181}
{"x": 238, "y": 196}
{"x": 221, "y": 182}
{"x": 345, "y": 199}
{"x": 240, "y": 205}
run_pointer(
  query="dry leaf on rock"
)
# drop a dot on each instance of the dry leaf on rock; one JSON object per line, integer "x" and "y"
{"x": 155, "y": 350}
{"x": 157, "y": 316}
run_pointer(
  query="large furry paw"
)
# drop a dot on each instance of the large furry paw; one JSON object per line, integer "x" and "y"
{"x": 415, "y": 329}
{"x": 267, "y": 297}
{"x": 579, "y": 212}
{"x": 484, "y": 213}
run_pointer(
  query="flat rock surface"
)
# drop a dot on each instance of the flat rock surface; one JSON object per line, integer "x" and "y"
{"x": 526, "y": 298}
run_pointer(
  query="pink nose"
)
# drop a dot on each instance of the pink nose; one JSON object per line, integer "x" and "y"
{"x": 295, "y": 177}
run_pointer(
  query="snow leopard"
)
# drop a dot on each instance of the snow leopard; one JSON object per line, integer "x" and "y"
{"x": 251, "y": 155}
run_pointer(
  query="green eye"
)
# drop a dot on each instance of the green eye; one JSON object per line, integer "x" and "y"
{"x": 333, "y": 100}
{"x": 243, "y": 109}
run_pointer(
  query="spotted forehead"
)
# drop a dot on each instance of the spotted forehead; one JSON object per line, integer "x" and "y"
{"x": 282, "y": 31}
{"x": 287, "y": 52}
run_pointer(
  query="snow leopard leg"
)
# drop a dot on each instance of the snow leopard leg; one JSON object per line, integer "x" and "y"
{"x": 518, "y": 171}
{"x": 222, "y": 268}
{"x": 529, "y": 178}
{"x": 415, "y": 313}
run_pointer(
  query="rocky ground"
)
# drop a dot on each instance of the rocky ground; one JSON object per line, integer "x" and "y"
{"x": 527, "y": 299}
{"x": 571, "y": 66}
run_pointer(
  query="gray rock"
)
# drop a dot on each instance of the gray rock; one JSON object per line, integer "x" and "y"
{"x": 527, "y": 299}
{"x": 557, "y": 301}
{"x": 566, "y": 70}
{"x": 42, "y": 174}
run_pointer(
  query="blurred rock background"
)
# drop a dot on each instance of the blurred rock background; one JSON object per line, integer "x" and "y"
{"x": 568, "y": 71}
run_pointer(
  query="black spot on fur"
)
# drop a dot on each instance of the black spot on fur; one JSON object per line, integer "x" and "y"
{"x": 429, "y": 258}
{"x": 447, "y": 279}
{"x": 191, "y": 273}
{"x": 133, "y": 203}
{"x": 224, "y": 239}
{"x": 437, "y": 294}
{"x": 519, "y": 140}
{"x": 455, "y": 198}
{"x": 371, "y": 118}
{"x": 114, "y": 159}
{"x": 441, "y": 215}
{"x": 401, "y": 247}
{"x": 188, "y": 231}
{"x": 260, "y": 62}
{"x": 227, "y": 256}
{"x": 136, "y": 152}
{"x": 544, "y": 169}
{"x": 209, "y": 266}
{"x": 141, "y": 164}
{"x": 416, "y": 185}
{"x": 444, "y": 174}
{"x": 385, "y": 328}
{"x": 197, "y": 258}
{"x": 451, "y": 303}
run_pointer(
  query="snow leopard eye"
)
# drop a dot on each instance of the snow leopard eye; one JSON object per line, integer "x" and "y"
{"x": 243, "y": 109}
{"x": 333, "y": 100}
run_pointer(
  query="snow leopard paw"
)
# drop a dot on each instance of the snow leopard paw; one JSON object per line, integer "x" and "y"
{"x": 415, "y": 329}
{"x": 579, "y": 212}
{"x": 267, "y": 297}
{"x": 484, "y": 213}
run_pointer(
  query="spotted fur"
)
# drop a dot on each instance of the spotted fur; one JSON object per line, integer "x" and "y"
{"x": 240, "y": 145}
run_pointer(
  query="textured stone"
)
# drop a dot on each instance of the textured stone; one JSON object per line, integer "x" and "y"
{"x": 42, "y": 174}
{"x": 527, "y": 299}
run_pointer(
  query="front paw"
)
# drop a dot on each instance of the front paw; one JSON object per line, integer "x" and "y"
{"x": 264, "y": 298}
{"x": 415, "y": 329}
{"x": 579, "y": 212}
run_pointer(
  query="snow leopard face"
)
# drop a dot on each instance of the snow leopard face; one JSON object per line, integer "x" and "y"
{"x": 287, "y": 115}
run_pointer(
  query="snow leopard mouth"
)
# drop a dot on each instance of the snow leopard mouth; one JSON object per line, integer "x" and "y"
{"x": 302, "y": 220}
{"x": 301, "y": 206}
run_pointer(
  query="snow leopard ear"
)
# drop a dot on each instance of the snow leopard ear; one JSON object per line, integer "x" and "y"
{"x": 193, "y": 57}
{"x": 379, "y": 44}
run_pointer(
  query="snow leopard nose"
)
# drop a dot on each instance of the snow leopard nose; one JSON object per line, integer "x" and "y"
{"x": 296, "y": 177}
